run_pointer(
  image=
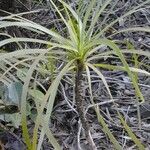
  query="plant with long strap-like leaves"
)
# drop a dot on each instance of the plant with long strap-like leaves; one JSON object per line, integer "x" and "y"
{"x": 78, "y": 48}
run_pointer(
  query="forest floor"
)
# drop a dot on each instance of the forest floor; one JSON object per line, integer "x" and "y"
{"x": 65, "y": 123}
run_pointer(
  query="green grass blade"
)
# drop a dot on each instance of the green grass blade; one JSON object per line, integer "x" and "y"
{"x": 52, "y": 93}
{"x": 109, "y": 53}
{"x": 42, "y": 134}
{"x": 35, "y": 131}
{"x": 35, "y": 26}
{"x": 23, "y": 101}
{"x": 122, "y": 58}
{"x": 94, "y": 20}
{"x": 100, "y": 117}
{"x": 89, "y": 83}
{"x": 101, "y": 77}
{"x": 113, "y": 67}
{"x": 119, "y": 53}
{"x": 21, "y": 53}
{"x": 72, "y": 35}
{"x": 11, "y": 40}
{"x": 75, "y": 15}
{"x": 87, "y": 13}
{"x": 133, "y": 29}
{"x": 51, "y": 138}
{"x": 104, "y": 21}
{"x": 135, "y": 9}
{"x": 106, "y": 130}
{"x": 134, "y": 56}
{"x": 131, "y": 134}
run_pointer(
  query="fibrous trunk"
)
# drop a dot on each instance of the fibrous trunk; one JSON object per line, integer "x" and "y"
{"x": 79, "y": 102}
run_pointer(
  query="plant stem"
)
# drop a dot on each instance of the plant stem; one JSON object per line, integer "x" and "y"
{"x": 79, "y": 102}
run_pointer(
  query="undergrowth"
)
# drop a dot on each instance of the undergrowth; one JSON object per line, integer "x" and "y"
{"x": 78, "y": 52}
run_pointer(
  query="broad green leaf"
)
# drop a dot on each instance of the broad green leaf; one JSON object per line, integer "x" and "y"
{"x": 15, "y": 119}
{"x": 14, "y": 92}
{"x": 38, "y": 95}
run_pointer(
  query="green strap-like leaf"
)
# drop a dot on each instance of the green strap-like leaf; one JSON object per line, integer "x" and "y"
{"x": 107, "y": 131}
{"x": 131, "y": 134}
